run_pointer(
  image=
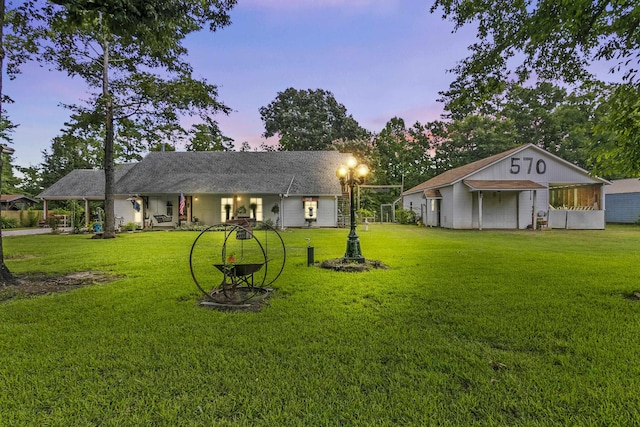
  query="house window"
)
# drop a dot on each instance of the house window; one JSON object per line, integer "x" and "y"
{"x": 226, "y": 206}
{"x": 258, "y": 202}
{"x": 169, "y": 209}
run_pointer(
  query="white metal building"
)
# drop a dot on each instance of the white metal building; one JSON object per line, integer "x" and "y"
{"x": 525, "y": 187}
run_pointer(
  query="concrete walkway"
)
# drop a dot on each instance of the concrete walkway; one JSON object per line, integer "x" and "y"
{"x": 31, "y": 231}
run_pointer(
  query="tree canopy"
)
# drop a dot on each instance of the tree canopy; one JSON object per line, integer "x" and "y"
{"x": 545, "y": 115}
{"x": 131, "y": 53}
{"x": 403, "y": 154}
{"x": 550, "y": 40}
{"x": 308, "y": 120}
{"x": 207, "y": 136}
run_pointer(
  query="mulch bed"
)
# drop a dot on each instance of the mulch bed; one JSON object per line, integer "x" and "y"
{"x": 33, "y": 284}
{"x": 338, "y": 264}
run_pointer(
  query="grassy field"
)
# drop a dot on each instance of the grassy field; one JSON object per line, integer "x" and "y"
{"x": 465, "y": 328}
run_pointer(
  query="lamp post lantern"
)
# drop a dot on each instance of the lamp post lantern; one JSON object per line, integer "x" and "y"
{"x": 5, "y": 274}
{"x": 351, "y": 175}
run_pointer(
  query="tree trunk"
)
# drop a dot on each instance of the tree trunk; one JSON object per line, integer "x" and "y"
{"x": 5, "y": 274}
{"x": 109, "y": 173}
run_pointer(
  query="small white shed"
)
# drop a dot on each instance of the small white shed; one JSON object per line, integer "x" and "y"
{"x": 525, "y": 187}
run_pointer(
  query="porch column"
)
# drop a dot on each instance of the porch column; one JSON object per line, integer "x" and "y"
{"x": 87, "y": 213}
{"x": 518, "y": 210}
{"x": 480, "y": 210}
{"x": 45, "y": 206}
{"x": 602, "y": 198}
{"x": 281, "y": 213}
{"x": 534, "y": 215}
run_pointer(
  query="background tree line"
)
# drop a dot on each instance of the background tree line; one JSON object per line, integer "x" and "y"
{"x": 547, "y": 115}
{"x": 488, "y": 108}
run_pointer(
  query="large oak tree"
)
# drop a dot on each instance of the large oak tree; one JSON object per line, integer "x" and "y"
{"x": 309, "y": 120}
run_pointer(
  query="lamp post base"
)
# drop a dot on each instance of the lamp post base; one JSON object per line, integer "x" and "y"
{"x": 353, "y": 253}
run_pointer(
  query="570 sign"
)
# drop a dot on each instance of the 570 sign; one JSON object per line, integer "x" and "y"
{"x": 526, "y": 164}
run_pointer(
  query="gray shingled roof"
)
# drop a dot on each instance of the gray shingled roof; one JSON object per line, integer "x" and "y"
{"x": 82, "y": 183}
{"x": 298, "y": 172}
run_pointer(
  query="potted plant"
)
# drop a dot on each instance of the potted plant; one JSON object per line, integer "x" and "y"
{"x": 276, "y": 210}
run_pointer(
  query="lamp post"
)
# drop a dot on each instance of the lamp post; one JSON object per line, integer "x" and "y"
{"x": 351, "y": 175}
{"x": 5, "y": 274}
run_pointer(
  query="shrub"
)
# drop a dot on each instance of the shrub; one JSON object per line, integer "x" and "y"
{"x": 266, "y": 224}
{"x": 406, "y": 216}
{"x": 53, "y": 222}
{"x": 130, "y": 226}
{"x": 28, "y": 218}
{"x": 9, "y": 222}
{"x": 362, "y": 213}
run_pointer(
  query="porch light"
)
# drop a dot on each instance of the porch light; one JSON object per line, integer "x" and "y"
{"x": 351, "y": 175}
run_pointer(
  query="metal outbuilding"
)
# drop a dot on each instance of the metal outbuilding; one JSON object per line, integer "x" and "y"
{"x": 623, "y": 201}
{"x": 524, "y": 187}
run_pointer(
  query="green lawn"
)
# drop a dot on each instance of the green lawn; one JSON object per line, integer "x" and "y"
{"x": 466, "y": 328}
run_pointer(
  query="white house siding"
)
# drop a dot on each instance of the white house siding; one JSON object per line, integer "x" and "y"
{"x": 446, "y": 207}
{"x": 432, "y": 212}
{"x": 414, "y": 201}
{"x": 543, "y": 168}
{"x": 327, "y": 212}
{"x": 207, "y": 209}
{"x": 125, "y": 213}
{"x": 499, "y": 209}
{"x": 268, "y": 201}
{"x": 462, "y": 211}
{"x": 293, "y": 212}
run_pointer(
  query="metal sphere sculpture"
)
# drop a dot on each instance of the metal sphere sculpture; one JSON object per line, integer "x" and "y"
{"x": 233, "y": 262}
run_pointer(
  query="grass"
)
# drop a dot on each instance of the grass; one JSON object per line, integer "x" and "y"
{"x": 466, "y": 328}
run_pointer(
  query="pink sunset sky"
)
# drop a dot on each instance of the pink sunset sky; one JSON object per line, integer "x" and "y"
{"x": 380, "y": 58}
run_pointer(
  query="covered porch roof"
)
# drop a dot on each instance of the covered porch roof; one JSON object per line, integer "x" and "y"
{"x": 502, "y": 185}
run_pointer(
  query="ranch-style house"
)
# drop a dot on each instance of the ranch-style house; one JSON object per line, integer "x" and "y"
{"x": 165, "y": 189}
